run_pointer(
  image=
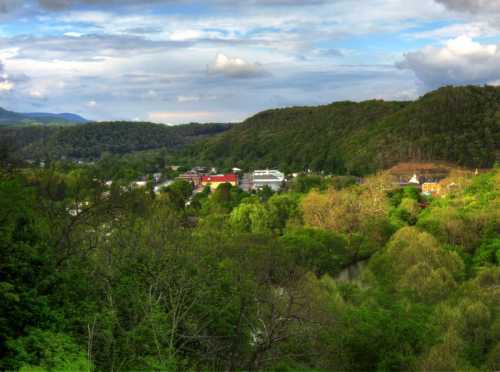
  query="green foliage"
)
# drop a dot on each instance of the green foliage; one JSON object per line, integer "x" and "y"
{"x": 223, "y": 200}
{"x": 178, "y": 193}
{"x": 384, "y": 334}
{"x": 415, "y": 264}
{"x": 25, "y": 268}
{"x": 488, "y": 253}
{"x": 254, "y": 216}
{"x": 405, "y": 206}
{"x": 91, "y": 141}
{"x": 45, "y": 350}
{"x": 322, "y": 252}
{"x": 251, "y": 218}
{"x": 305, "y": 183}
{"x": 98, "y": 278}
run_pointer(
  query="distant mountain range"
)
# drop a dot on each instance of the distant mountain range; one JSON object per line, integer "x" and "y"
{"x": 15, "y": 119}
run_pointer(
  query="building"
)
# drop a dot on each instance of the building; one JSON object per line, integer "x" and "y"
{"x": 245, "y": 182}
{"x": 421, "y": 172}
{"x": 274, "y": 179}
{"x": 431, "y": 188}
{"x": 414, "y": 180}
{"x": 192, "y": 177}
{"x": 215, "y": 181}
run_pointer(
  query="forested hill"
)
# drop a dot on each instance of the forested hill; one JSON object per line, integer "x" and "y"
{"x": 90, "y": 141}
{"x": 457, "y": 124}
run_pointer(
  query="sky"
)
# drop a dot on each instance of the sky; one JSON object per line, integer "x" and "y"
{"x": 179, "y": 61}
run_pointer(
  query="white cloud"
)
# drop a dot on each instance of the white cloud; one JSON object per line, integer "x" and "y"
{"x": 180, "y": 117}
{"x": 472, "y": 30}
{"x": 185, "y": 35}
{"x": 91, "y": 104}
{"x": 196, "y": 98}
{"x": 459, "y": 61}
{"x": 182, "y": 99}
{"x": 236, "y": 68}
{"x": 6, "y": 85}
{"x": 73, "y": 34}
{"x": 35, "y": 93}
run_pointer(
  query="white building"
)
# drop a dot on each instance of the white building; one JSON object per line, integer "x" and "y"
{"x": 414, "y": 180}
{"x": 269, "y": 177}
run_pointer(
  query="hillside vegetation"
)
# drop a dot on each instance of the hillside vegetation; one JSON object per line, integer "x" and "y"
{"x": 348, "y": 277}
{"x": 90, "y": 141}
{"x": 460, "y": 125}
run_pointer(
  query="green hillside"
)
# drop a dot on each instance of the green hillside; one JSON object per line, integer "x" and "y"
{"x": 459, "y": 125}
{"x": 90, "y": 141}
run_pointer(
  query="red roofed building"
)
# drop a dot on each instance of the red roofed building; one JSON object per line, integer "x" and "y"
{"x": 217, "y": 180}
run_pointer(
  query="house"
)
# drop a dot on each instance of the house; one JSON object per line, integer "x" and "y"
{"x": 192, "y": 177}
{"x": 431, "y": 188}
{"x": 215, "y": 181}
{"x": 271, "y": 178}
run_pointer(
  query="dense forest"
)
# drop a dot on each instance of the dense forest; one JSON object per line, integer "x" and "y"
{"x": 327, "y": 275}
{"x": 91, "y": 141}
{"x": 456, "y": 124}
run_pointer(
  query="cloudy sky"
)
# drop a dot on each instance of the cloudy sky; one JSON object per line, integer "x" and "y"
{"x": 177, "y": 61}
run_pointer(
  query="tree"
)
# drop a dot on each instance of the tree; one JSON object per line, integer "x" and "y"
{"x": 178, "y": 193}
{"x": 322, "y": 252}
{"x": 45, "y": 350}
{"x": 251, "y": 218}
{"x": 420, "y": 266}
{"x": 26, "y": 269}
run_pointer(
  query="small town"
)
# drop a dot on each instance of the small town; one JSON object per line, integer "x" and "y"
{"x": 429, "y": 179}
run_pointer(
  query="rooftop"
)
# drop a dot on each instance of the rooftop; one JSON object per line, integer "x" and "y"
{"x": 230, "y": 177}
